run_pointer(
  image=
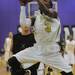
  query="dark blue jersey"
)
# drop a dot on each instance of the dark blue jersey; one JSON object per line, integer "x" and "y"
{"x": 21, "y": 42}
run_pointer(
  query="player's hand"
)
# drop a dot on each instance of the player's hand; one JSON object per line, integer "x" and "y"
{"x": 24, "y": 2}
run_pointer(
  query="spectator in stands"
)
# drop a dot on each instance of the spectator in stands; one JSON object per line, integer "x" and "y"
{"x": 70, "y": 49}
{"x": 22, "y": 40}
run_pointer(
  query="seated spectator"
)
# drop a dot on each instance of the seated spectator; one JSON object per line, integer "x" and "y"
{"x": 23, "y": 39}
{"x": 8, "y": 47}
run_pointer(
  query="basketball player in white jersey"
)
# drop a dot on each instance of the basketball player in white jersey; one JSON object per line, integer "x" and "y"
{"x": 47, "y": 34}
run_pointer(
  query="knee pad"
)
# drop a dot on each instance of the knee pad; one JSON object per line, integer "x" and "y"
{"x": 70, "y": 73}
{"x": 34, "y": 67}
{"x": 15, "y": 67}
{"x": 14, "y": 63}
{"x": 17, "y": 72}
{"x": 64, "y": 73}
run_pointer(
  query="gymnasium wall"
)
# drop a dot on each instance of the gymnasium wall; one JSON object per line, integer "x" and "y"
{"x": 9, "y": 18}
{"x": 10, "y": 10}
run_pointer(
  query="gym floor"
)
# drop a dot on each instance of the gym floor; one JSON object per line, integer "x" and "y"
{"x": 4, "y": 72}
